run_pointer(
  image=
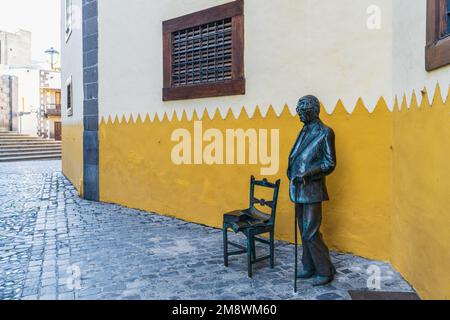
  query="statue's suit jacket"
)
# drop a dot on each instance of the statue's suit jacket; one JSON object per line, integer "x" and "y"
{"x": 314, "y": 153}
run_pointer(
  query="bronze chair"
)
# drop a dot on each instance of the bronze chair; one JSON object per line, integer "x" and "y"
{"x": 252, "y": 223}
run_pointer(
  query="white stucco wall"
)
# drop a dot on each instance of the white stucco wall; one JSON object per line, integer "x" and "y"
{"x": 409, "y": 52}
{"x": 15, "y": 48}
{"x": 28, "y": 94}
{"x": 54, "y": 80}
{"x": 72, "y": 65}
{"x": 292, "y": 48}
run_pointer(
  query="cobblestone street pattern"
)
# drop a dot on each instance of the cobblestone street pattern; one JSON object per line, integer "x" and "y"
{"x": 54, "y": 245}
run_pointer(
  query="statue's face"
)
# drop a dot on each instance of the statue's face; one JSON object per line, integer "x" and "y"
{"x": 306, "y": 113}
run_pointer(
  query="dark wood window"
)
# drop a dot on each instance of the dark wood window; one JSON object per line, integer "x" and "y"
{"x": 69, "y": 101}
{"x": 204, "y": 53}
{"x": 438, "y": 34}
{"x": 447, "y": 17}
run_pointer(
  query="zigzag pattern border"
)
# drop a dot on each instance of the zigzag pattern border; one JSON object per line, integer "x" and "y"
{"x": 170, "y": 116}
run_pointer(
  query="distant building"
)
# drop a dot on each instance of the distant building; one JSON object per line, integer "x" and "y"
{"x": 49, "y": 113}
{"x": 8, "y": 103}
{"x": 15, "y": 48}
{"x": 36, "y": 90}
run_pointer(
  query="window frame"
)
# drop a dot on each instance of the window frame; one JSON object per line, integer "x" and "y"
{"x": 437, "y": 50}
{"x": 69, "y": 94}
{"x": 235, "y": 86}
{"x": 68, "y": 20}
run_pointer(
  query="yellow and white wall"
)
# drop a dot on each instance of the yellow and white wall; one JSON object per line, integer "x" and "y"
{"x": 390, "y": 188}
{"x": 420, "y": 237}
{"x": 291, "y": 47}
{"x": 72, "y": 67}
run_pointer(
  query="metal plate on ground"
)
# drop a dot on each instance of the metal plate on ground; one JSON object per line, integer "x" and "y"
{"x": 381, "y": 295}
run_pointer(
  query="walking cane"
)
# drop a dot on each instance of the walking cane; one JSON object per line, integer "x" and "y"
{"x": 296, "y": 238}
{"x": 296, "y": 250}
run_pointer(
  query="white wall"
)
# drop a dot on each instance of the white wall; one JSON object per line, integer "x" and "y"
{"x": 15, "y": 48}
{"x": 409, "y": 52}
{"x": 54, "y": 80}
{"x": 28, "y": 94}
{"x": 72, "y": 65}
{"x": 292, "y": 48}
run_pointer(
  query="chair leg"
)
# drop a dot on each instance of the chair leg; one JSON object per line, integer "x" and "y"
{"x": 249, "y": 254}
{"x": 225, "y": 245}
{"x": 272, "y": 250}
{"x": 253, "y": 249}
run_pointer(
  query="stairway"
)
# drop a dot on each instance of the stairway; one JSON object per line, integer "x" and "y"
{"x": 19, "y": 147}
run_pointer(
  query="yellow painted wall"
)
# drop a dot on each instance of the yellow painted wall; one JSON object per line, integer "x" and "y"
{"x": 357, "y": 219}
{"x": 72, "y": 154}
{"x": 390, "y": 192}
{"x": 421, "y": 211}
{"x": 136, "y": 170}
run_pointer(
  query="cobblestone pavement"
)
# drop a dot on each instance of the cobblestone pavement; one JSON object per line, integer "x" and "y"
{"x": 54, "y": 245}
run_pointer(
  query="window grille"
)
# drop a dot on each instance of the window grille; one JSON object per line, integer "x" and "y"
{"x": 202, "y": 54}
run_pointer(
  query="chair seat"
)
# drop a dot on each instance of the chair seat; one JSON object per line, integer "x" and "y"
{"x": 246, "y": 215}
{"x": 240, "y": 220}
{"x": 242, "y": 226}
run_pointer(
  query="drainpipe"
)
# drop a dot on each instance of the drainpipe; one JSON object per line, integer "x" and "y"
{"x": 10, "y": 104}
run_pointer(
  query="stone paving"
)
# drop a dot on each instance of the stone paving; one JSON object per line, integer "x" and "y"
{"x": 54, "y": 245}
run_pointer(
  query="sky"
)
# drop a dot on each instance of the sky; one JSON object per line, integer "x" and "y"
{"x": 41, "y": 17}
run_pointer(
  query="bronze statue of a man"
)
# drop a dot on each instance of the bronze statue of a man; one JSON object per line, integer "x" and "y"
{"x": 311, "y": 160}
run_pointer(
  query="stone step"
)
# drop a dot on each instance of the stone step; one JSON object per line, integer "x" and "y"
{"x": 30, "y": 143}
{"x": 27, "y": 158}
{"x": 34, "y": 147}
{"x": 21, "y": 139}
{"x": 12, "y": 134}
{"x": 31, "y": 147}
{"x": 32, "y": 153}
{"x": 19, "y": 147}
{"x": 26, "y": 150}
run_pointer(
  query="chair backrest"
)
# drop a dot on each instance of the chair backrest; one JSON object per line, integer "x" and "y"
{"x": 272, "y": 204}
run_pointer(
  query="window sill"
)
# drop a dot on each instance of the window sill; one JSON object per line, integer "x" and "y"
{"x": 68, "y": 34}
{"x": 227, "y": 88}
{"x": 438, "y": 54}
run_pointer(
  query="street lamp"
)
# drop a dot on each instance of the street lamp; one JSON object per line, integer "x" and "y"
{"x": 52, "y": 52}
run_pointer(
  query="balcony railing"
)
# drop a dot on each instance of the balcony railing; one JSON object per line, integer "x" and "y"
{"x": 53, "y": 110}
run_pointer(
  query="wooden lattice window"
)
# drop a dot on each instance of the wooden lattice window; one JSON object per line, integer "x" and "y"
{"x": 438, "y": 34}
{"x": 447, "y": 17}
{"x": 204, "y": 53}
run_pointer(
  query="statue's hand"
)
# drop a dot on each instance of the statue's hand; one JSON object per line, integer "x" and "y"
{"x": 301, "y": 178}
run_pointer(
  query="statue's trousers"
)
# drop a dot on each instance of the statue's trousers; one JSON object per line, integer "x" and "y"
{"x": 316, "y": 256}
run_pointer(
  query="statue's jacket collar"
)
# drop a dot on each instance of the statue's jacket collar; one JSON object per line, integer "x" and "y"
{"x": 310, "y": 133}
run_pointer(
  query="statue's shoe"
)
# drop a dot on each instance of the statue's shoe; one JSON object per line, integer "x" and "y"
{"x": 306, "y": 274}
{"x": 322, "y": 281}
